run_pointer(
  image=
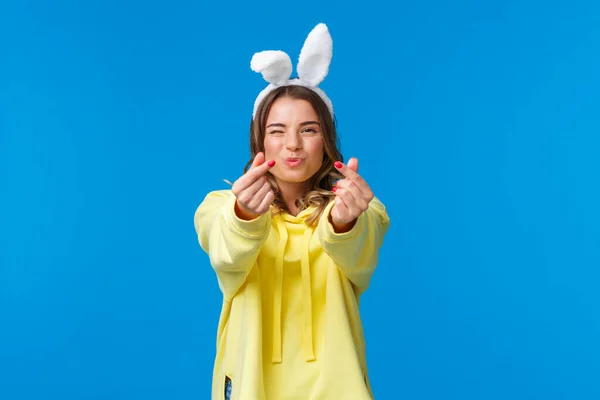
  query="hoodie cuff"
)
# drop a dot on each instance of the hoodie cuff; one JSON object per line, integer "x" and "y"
{"x": 327, "y": 231}
{"x": 252, "y": 228}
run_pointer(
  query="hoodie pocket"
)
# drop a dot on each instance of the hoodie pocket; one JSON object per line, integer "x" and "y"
{"x": 227, "y": 391}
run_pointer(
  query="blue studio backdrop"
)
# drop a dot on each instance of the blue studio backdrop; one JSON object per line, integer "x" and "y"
{"x": 476, "y": 123}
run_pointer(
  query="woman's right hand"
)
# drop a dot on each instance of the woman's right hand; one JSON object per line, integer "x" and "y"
{"x": 253, "y": 191}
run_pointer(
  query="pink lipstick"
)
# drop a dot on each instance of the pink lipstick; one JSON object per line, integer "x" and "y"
{"x": 293, "y": 162}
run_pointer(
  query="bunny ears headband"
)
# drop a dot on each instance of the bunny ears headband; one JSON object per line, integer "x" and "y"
{"x": 313, "y": 65}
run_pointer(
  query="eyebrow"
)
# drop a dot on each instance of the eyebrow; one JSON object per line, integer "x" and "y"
{"x": 302, "y": 124}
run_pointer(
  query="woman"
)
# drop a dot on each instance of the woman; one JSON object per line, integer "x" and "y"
{"x": 294, "y": 244}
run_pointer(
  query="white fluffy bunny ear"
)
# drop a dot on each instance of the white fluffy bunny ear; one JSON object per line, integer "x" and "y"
{"x": 275, "y": 66}
{"x": 315, "y": 57}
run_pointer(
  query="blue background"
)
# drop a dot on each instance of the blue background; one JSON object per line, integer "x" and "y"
{"x": 475, "y": 122}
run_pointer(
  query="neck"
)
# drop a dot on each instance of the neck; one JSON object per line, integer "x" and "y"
{"x": 290, "y": 193}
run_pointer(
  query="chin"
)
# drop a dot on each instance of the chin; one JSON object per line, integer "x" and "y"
{"x": 294, "y": 177}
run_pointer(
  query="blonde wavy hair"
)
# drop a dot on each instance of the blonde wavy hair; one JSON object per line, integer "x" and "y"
{"x": 320, "y": 184}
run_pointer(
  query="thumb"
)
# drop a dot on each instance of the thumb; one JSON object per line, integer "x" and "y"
{"x": 258, "y": 159}
{"x": 353, "y": 164}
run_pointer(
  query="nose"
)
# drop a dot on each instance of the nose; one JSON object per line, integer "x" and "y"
{"x": 293, "y": 142}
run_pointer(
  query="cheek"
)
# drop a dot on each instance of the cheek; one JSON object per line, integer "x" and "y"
{"x": 271, "y": 146}
{"x": 315, "y": 149}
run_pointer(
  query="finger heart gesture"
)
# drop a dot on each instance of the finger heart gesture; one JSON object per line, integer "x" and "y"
{"x": 252, "y": 190}
{"x": 352, "y": 194}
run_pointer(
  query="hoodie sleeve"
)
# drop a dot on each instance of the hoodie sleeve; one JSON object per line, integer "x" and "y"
{"x": 356, "y": 252}
{"x": 231, "y": 243}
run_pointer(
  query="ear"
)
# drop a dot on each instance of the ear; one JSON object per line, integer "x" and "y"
{"x": 315, "y": 56}
{"x": 275, "y": 66}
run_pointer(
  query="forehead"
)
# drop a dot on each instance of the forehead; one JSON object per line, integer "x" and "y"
{"x": 291, "y": 110}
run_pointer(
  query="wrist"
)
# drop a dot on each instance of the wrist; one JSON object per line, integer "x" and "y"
{"x": 244, "y": 214}
{"x": 341, "y": 227}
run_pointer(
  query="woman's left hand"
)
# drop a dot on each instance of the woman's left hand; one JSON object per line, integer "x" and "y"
{"x": 352, "y": 197}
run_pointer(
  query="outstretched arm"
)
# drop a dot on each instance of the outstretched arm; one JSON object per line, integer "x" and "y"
{"x": 233, "y": 225}
{"x": 353, "y": 226}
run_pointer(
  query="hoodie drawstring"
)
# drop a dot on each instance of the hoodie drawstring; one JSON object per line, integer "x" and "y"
{"x": 283, "y": 237}
{"x": 307, "y": 342}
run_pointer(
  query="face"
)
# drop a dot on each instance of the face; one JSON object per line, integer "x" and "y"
{"x": 293, "y": 139}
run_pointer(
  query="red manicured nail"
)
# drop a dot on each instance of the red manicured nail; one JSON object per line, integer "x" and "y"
{"x": 271, "y": 163}
{"x": 337, "y": 164}
{"x": 334, "y": 189}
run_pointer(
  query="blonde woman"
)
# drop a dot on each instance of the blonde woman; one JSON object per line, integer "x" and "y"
{"x": 294, "y": 244}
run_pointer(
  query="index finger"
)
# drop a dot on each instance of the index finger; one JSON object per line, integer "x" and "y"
{"x": 254, "y": 173}
{"x": 259, "y": 159}
{"x": 352, "y": 175}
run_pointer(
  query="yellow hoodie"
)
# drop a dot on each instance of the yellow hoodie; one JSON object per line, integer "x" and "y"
{"x": 290, "y": 326}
